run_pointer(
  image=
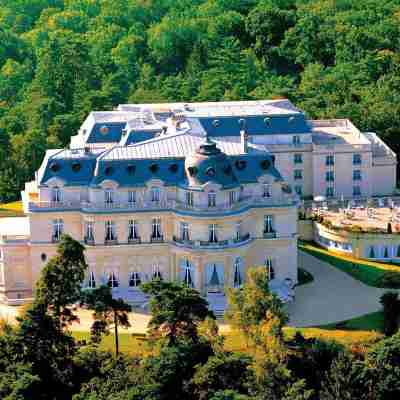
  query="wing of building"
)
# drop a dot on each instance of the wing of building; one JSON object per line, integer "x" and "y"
{"x": 193, "y": 192}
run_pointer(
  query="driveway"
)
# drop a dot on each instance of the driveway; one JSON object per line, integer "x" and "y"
{"x": 333, "y": 296}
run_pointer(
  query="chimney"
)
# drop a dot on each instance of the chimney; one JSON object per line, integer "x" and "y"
{"x": 244, "y": 138}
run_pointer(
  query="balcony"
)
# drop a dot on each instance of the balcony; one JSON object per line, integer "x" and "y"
{"x": 89, "y": 241}
{"x": 55, "y": 238}
{"x": 205, "y": 244}
{"x": 135, "y": 240}
{"x": 110, "y": 242}
{"x": 185, "y": 242}
{"x": 157, "y": 239}
{"x": 242, "y": 239}
{"x": 269, "y": 235}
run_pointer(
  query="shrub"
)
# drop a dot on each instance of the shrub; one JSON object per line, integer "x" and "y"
{"x": 389, "y": 279}
{"x": 391, "y": 312}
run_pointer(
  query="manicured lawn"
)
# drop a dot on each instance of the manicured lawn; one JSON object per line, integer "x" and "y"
{"x": 13, "y": 209}
{"x": 363, "y": 330}
{"x": 368, "y": 272}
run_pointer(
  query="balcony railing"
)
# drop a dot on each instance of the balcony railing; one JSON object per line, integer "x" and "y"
{"x": 157, "y": 239}
{"x": 110, "y": 242}
{"x": 89, "y": 241}
{"x": 160, "y": 205}
{"x": 211, "y": 245}
{"x": 135, "y": 240}
{"x": 269, "y": 235}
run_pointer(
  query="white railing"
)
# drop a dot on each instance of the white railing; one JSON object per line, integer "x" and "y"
{"x": 160, "y": 205}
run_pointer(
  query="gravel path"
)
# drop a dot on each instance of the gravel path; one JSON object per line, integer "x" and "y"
{"x": 333, "y": 296}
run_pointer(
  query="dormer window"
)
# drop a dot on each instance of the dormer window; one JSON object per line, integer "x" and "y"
{"x": 155, "y": 194}
{"x": 55, "y": 194}
{"x": 212, "y": 233}
{"x": 109, "y": 196}
{"x": 131, "y": 197}
{"x": 266, "y": 190}
{"x": 212, "y": 199}
{"x": 232, "y": 197}
{"x": 296, "y": 140}
{"x": 189, "y": 199}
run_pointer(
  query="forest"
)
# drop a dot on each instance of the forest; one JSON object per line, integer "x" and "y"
{"x": 61, "y": 59}
{"x": 184, "y": 357}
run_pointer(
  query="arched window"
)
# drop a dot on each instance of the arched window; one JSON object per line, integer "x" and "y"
{"x": 92, "y": 280}
{"x": 112, "y": 280}
{"x": 134, "y": 279}
{"x": 237, "y": 277}
{"x": 270, "y": 269}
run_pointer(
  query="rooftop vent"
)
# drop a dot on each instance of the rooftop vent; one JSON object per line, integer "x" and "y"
{"x": 291, "y": 120}
{"x": 55, "y": 167}
{"x": 131, "y": 169}
{"x": 104, "y": 130}
{"x": 76, "y": 166}
{"x": 216, "y": 123}
{"x": 242, "y": 123}
{"x": 153, "y": 168}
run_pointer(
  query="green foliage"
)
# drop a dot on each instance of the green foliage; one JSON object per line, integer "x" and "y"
{"x": 61, "y": 279}
{"x": 391, "y": 312}
{"x": 176, "y": 311}
{"x": 107, "y": 312}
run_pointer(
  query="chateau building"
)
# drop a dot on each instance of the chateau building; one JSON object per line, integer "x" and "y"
{"x": 194, "y": 192}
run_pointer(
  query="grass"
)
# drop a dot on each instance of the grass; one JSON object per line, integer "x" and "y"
{"x": 304, "y": 277}
{"x": 364, "y": 330}
{"x": 368, "y": 272}
{"x": 13, "y": 209}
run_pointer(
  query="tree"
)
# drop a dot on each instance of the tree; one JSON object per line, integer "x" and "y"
{"x": 59, "y": 285}
{"x": 176, "y": 310}
{"x": 108, "y": 312}
{"x": 391, "y": 312}
{"x": 249, "y": 305}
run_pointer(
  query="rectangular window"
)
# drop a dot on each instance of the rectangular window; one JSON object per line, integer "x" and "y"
{"x": 298, "y": 174}
{"x": 132, "y": 230}
{"x": 189, "y": 199}
{"x": 58, "y": 228}
{"x": 109, "y": 196}
{"x": 296, "y": 140}
{"x": 238, "y": 230}
{"x": 356, "y": 175}
{"x": 232, "y": 197}
{"x": 298, "y": 158}
{"x": 110, "y": 231}
{"x": 356, "y": 191}
{"x": 92, "y": 280}
{"x": 89, "y": 232}
{"x": 212, "y": 233}
{"x": 330, "y": 160}
{"x": 56, "y": 194}
{"x": 268, "y": 226}
{"x": 184, "y": 231}
{"x": 156, "y": 229}
{"x": 356, "y": 159}
{"x": 266, "y": 190}
{"x": 299, "y": 190}
{"x": 132, "y": 197}
{"x": 212, "y": 199}
{"x": 155, "y": 194}
{"x": 134, "y": 279}
{"x": 329, "y": 191}
{"x": 329, "y": 176}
